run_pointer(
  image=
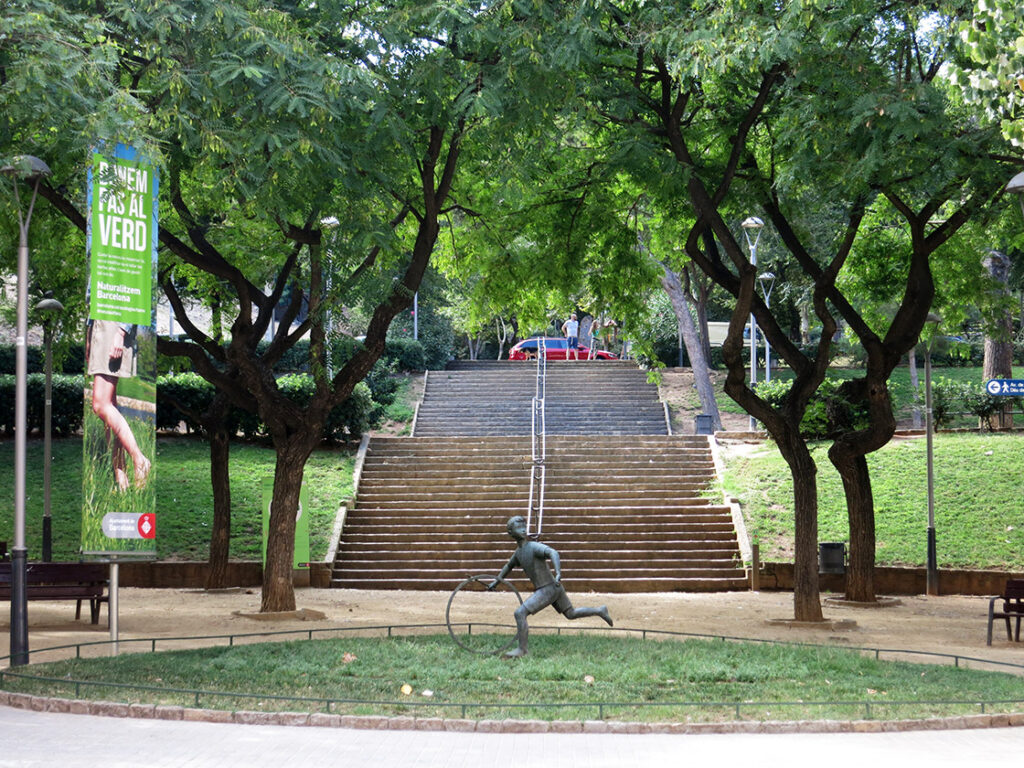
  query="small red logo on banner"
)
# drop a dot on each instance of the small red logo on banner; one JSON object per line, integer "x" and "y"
{"x": 147, "y": 525}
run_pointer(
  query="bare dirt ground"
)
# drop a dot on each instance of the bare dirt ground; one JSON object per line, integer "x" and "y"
{"x": 677, "y": 390}
{"x": 949, "y": 624}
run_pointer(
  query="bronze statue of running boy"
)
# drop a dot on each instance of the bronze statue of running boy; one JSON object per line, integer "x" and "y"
{"x": 531, "y": 556}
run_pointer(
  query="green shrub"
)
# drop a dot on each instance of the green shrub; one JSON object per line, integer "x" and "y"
{"x": 951, "y": 398}
{"x": 71, "y": 362}
{"x": 187, "y": 390}
{"x": 948, "y": 400}
{"x": 67, "y": 403}
{"x": 408, "y": 354}
{"x": 347, "y": 421}
{"x": 828, "y": 412}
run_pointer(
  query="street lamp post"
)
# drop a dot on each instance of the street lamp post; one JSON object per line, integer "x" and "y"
{"x": 755, "y": 225}
{"x": 32, "y": 169}
{"x": 767, "y": 280}
{"x": 50, "y": 308}
{"x": 932, "y": 571}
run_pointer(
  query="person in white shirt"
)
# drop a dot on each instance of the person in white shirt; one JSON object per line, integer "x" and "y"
{"x": 571, "y": 329}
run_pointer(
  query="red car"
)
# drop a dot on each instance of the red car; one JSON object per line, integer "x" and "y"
{"x": 555, "y": 349}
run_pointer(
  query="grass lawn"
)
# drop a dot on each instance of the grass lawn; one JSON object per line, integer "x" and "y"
{"x": 184, "y": 499}
{"x": 979, "y": 500}
{"x": 577, "y": 671}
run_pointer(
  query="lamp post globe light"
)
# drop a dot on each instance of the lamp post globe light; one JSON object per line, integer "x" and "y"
{"x": 755, "y": 225}
{"x": 49, "y": 308}
{"x": 32, "y": 170}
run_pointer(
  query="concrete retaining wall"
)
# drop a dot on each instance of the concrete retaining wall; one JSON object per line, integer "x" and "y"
{"x": 192, "y": 574}
{"x": 888, "y": 580}
{"x": 898, "y": 581}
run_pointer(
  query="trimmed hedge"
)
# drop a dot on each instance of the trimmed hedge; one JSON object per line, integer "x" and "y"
{"x": 67, "y": 403}
{"x": 347, "y": 421}
{"x": 73, "y": 361}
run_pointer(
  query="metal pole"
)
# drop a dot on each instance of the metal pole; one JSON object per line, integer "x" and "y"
{"x": 33, "y": 169}
{"x": 47, "y": 444}
{"x": 19, "y": 554}
{"x": 753, "y": 333}
{"x": 767, "y": 344}
{"x": 416, "y": 316}
{"x": 932, "y": 577}
{"x": 112, "y": 605}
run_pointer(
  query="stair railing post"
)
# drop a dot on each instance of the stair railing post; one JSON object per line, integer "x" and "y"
{"x": 538, "y": 444}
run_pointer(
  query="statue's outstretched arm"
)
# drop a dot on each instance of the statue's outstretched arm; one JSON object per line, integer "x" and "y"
{"x": 505, "y": 571}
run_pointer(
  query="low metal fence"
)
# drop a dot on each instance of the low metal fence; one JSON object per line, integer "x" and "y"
{"x": 600, "y": 709}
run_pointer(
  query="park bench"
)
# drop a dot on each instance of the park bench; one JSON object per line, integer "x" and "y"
{"x": 62, "y": 581}
{"x": 1013, "y": 608}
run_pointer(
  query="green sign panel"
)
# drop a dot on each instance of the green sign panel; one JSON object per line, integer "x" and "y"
{"x": 301, "y": 558}
{"x": 119, "y": 429}
{"x": 122, "y": 238}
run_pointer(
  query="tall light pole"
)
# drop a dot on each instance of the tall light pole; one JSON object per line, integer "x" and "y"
{"x": 32, "y": 169}
{"x": 767, "y": 281}
{"x": 755, "y": 225}
{"x": 50, "y": 308}
{"x": 932, "y": 571}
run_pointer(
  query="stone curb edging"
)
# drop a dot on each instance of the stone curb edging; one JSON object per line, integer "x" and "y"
{"x": 404, "y": 723}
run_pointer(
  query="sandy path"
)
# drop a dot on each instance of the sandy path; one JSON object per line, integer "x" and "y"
{"x": 949, "y": 624}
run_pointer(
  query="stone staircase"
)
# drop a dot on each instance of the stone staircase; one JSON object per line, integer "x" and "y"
{"x": 628, "y": 511}
{"x": 599, "y": 397}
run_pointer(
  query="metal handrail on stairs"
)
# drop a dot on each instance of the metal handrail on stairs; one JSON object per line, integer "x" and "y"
{"x": 538, "y": 443}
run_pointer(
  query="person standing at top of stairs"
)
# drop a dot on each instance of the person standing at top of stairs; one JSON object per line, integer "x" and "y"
{"x": 571, "y": 329}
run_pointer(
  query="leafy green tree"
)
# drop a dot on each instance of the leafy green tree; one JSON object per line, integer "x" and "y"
{"x": 993, "y": 74}
{"x": 268, "y": 120}
{"x": 735, "y": 105}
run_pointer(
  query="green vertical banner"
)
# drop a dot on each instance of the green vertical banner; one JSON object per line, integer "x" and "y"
{"x": 301, "y": 559}
{"x": 119, "y": 434}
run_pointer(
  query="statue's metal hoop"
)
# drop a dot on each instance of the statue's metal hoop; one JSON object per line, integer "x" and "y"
{"x": 480, "y": 584}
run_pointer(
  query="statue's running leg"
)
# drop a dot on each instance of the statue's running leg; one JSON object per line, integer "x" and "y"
{"x": 522, "y": 633}
{"x": 580, "y": 613}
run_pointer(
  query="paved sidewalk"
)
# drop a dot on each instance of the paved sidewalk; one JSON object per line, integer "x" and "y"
{"x": 31, "y": 739}
{"x": 945, "y": 625}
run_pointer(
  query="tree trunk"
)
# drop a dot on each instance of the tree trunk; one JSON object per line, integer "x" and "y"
{"x": 698, "y": 362}
{"x": 999, "y": 338}
{"x": 806, "y": 599}
{"x": 220, "y": 535}
{"x": 805, "y": 323}
{"x": 695, "y": 277}
{"x": 501, "y": 329}
{"x": 860, "y": 509}
{"x": 847, "y": 455}
{"x": 278, "y": 584}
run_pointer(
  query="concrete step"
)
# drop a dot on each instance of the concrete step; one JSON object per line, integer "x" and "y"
{"x": 585, "y": 525}
{"x": 576, "y": 588}
{"x": 598, "y": 549}
{"x": 470, "y": 562}
{"x": 638, "y": 539}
